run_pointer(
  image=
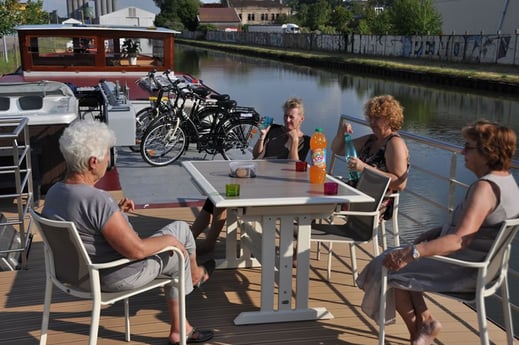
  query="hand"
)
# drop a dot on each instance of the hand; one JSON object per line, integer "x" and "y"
{"x": 126, "y": 205}
{"x": 347, "y": 128}
{"x": 354, "y": 163}
{"x": 398, "y": 258}
{"x": 179, "y": 245}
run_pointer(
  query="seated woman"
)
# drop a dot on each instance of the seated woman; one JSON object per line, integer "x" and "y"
{"x": 281, "y": 142}
{"x": 383, "y": 150}
{"x": 105, "y": 230}
{"x": 488, "y": 152}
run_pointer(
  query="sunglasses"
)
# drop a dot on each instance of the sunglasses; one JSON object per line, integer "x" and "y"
{"x": 468, "y": 147}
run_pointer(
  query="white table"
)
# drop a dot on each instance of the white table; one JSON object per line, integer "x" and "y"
{"x": 278, "y": 197}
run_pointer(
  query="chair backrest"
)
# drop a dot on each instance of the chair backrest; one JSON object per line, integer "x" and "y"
{"x": 499, "y": 254}
{"x": 66, "y": 258}
{"x": 375, "y": 185}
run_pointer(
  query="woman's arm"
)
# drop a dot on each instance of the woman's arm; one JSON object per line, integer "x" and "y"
{"x": 119, "y": 234}
{"x": 481, "y": 201}
{"x": 259, "y": 147}
{"x": 397, "y": 163}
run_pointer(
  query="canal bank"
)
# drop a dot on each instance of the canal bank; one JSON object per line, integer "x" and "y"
{"x": 489, "y": 77}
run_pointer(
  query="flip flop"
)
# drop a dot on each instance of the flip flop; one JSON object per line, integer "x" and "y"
{"x": 208, "y": 267}
{"x": 196, "y": 336}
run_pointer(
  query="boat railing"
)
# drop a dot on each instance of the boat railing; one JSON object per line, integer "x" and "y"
{"x": 425, "y": 191}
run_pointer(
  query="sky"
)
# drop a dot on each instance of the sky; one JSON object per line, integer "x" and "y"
{"x": 61, "y": 5}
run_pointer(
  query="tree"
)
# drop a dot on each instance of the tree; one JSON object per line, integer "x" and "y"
{"x": 11, "y": 16}
{"x": 13, "y": 13}
{"x": 415, "y": 17}
{"x": 34, "y": 14}
{"x": 340, "y": 19}
{"x": 178, "y": 14}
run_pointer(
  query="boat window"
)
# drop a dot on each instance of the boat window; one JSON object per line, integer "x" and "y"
{"x": 149, "y": 53}
{"x": 30, "y": 102}
{"x": 4, "y": 103}
{"x": 63, "y": 51}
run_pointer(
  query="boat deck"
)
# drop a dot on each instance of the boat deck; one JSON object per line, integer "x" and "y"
{"x": 215, "y": 305}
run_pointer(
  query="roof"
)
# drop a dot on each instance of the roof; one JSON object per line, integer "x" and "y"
{"x": 218, "y": 15}
{"x": 256, "y": 3}
{"x": 57, "y": 27}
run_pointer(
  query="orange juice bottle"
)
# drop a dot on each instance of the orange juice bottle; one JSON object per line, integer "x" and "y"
{"x": 318, "y": 145}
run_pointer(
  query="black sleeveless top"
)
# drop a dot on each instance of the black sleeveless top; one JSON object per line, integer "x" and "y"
{"x": 377, "y": 159}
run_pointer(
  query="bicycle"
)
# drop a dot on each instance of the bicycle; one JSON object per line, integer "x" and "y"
{"x": 161, "y": 104}
{"x": 217, "y": 128}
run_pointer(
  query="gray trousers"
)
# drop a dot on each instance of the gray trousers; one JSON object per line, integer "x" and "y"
{"x": 163, "y": 264}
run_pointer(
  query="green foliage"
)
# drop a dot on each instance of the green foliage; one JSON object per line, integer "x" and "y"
{"x": 130, "y": 48}
{"x": 178, "y": 14}
{"x": 415, "y": 17}
{"x": 340, "y": 19}
{"x": 207, "y": 27}
{"x": 12, "y": 14}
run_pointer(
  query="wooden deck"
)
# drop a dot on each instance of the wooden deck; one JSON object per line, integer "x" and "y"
{"x": 215, "y": 305}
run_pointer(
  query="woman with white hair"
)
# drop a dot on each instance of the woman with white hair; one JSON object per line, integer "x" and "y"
{"x": 105, "y": 230}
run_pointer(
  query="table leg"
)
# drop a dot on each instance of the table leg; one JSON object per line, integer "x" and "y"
{"x": 278, "y": 267}
{"x": 234, "y": 256}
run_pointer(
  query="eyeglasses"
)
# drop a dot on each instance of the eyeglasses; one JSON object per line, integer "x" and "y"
{"x": 468, "y": 147}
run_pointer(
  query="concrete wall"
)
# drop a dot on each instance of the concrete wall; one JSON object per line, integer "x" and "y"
{"x": 470, "y": 48}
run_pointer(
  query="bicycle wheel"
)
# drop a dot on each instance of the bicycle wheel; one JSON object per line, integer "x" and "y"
{"x": 163, "y": 143}
{"x": 143, "y": 118}
{"x": 237, "y": 139}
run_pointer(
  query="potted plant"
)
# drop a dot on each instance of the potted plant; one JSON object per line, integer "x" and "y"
{"x": 130, "y": 50}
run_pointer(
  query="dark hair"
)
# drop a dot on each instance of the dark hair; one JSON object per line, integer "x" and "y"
{"x": 497, "y": 143}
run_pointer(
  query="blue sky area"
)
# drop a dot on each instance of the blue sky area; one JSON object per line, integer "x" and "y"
{"x": 61, "y": 5}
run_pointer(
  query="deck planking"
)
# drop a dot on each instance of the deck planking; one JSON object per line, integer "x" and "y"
{"x": 215, "y": 305}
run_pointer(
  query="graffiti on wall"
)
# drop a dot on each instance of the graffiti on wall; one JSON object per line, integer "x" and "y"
{"x": 501, "y": 49}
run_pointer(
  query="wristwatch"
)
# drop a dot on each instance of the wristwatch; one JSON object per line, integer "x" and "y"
{"x": 416, "y": 253}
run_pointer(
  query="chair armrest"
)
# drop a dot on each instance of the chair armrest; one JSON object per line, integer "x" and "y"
{"x": 123, "y": 261}
{"x": 457, "y": 261}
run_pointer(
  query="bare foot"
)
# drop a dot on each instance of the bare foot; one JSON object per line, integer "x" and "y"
{"x": 428, "y": 333}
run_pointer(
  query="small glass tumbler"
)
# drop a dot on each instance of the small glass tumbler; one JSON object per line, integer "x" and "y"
{"x": 232, "y": 189}
{"x": 301, "y": 166}
{"x": 266, "y": 121}
{"x": 331, "y": 188}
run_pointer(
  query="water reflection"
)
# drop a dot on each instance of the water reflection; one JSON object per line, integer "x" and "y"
{"x": 265, "y": 84}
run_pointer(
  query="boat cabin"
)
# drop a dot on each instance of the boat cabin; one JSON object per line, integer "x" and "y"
{"x": 83, "y": 54}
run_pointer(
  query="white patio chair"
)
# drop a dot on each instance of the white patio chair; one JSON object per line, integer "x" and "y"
{"x": 68, "y": 266}
{"x": 361, "y": 225}
{"x": 492, "y": 275}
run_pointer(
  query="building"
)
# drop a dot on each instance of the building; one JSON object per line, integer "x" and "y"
{"x": 485, "y": 17}
{"x": 259, "y": 12}
{"x": 89, "y": 10}
{"x": 131, "y": 16}
{"x": 224, "y": 18}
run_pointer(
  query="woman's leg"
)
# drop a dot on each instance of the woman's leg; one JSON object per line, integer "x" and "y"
{"x": 201, "y": 222}
{"x": 405, "y": 307}
{"x": 170, "y": 266}
{"x": 219, "y": 220}
{"x": 426, "y": 327}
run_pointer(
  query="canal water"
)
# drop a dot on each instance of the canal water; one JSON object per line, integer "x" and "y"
{"x": 432, "y": 111}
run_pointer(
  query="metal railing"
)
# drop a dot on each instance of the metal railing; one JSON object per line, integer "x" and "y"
{"x": 16, "y": 171}
{"x": 410, "y": 216}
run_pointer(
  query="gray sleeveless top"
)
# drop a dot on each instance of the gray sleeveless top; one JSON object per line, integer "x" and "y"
{"x": 508, "y": 207}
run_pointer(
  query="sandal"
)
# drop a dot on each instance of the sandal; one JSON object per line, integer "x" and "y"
{"x": 196, "y": 336}
{"x": 208, "y": 267}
